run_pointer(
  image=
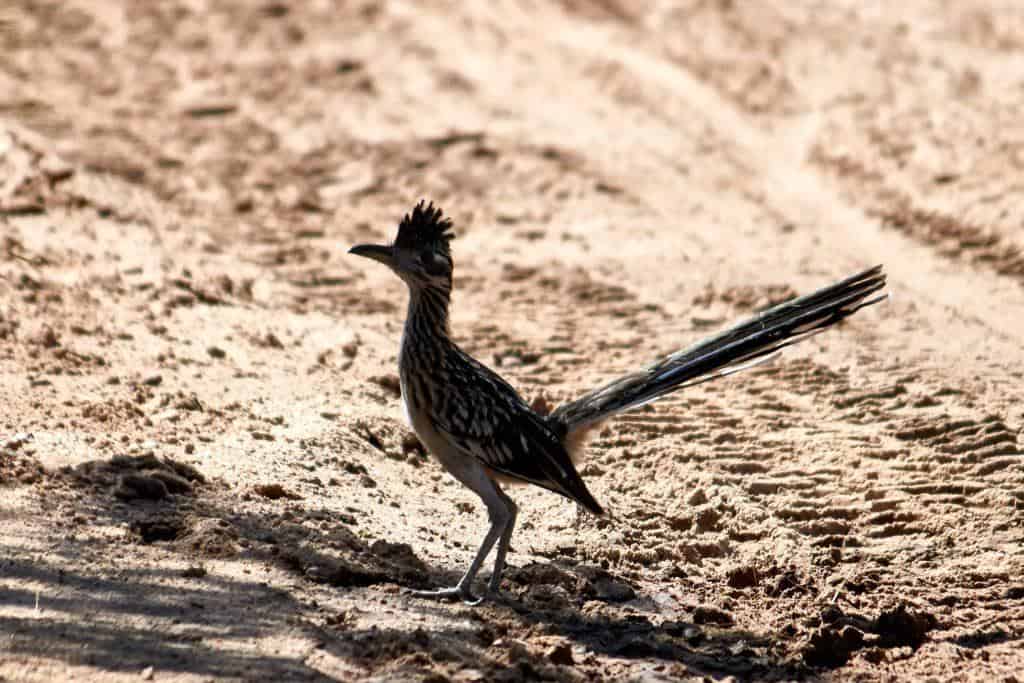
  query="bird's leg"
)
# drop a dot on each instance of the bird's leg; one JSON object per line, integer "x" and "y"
{"x": 501, "y": 516}
{"x": 506, "y": 538}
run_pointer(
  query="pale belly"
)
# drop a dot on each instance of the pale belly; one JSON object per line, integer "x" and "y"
{"x": 462, "y": 466}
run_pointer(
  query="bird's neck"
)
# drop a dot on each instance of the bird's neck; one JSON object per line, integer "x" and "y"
{"x": 427, "y": 319}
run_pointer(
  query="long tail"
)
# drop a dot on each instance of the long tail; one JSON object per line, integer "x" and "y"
{"x": 746, "y": 344}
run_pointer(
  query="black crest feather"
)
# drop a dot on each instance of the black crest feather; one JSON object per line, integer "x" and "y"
{"x": 425, "y": 226}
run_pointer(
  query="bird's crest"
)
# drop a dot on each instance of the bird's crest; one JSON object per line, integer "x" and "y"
{"x": 426, "y": 226}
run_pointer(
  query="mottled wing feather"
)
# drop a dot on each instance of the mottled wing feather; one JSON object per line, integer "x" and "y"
{"x": 487, "y": 419}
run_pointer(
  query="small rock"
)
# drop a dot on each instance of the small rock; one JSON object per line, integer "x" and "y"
{"x": 194, "y": 572}
{"x": 147, "y": 673}
{"x": 216, "y": 352}
{"x": 153, "y": 381}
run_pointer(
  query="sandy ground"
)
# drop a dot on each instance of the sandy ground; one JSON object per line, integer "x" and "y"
{"x": 205, "y": 473}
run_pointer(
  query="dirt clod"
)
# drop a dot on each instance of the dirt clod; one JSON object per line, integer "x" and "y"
{"x": 560, "y": 654}
{"x": 400, "y": 554}
{"x": 831, "y": 647}
{"x": 612, "y": 590}
{"x": 133, "y": 486}
{"x": 388, "y": 382}
{"x": 743, "y": 577}
{"x": 210, "y": 537}
{"x": 901, "y": 627}
{"x": 47, "y": 338}
{"x": 275, "y": 491}
{"x": 159, "y": 529}
{"x": 174, "y": 482}
{"x": 712, "y": 615}
{"x": 707, "y": 519}
{"x": 841, "y": 634}
{"x": 1014, "y": 593}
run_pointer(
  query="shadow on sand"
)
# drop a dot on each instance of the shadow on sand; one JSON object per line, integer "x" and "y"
{"x": 190, "y": 621}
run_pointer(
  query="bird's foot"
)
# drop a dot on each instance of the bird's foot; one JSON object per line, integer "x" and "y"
{"x": 454, "y": 593}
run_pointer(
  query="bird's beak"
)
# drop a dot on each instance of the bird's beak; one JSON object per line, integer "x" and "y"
{"x": 377, "y": 252}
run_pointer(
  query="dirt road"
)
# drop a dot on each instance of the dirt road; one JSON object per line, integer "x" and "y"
{"x": 204, "y": 470}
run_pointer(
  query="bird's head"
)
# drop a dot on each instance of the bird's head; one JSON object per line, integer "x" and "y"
{"x": 421, "y": 254}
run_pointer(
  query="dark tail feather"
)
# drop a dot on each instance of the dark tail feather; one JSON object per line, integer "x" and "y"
{"x": 747, "y": 344}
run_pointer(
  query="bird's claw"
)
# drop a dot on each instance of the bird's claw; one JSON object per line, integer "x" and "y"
{"x": 453, "y": 593}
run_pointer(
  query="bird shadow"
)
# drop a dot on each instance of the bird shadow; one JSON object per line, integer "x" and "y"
{"x": 571, "y": 609}
{"x": 188, "y": 620}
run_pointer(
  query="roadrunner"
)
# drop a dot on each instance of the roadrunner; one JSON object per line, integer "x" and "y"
{"x": 484, "y": 433}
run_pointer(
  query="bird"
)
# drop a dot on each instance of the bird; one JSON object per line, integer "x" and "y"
{"x": 486, "y": 435}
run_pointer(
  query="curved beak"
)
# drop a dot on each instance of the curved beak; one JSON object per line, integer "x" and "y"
{"x": 377, "y": 252}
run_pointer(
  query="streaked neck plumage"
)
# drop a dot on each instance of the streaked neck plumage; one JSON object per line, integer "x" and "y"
{"x": 426, "y": 322}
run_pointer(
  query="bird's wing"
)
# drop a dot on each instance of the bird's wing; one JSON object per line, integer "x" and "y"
{"x": 493, "y": 424}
